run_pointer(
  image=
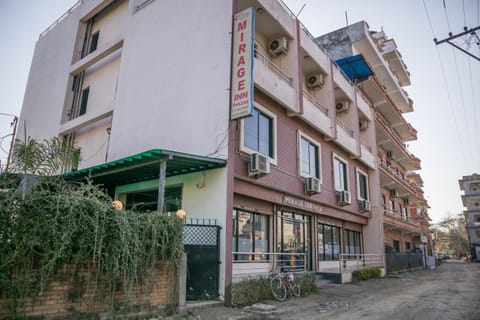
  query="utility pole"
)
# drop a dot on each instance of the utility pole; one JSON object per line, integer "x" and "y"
{"x": 473, "y": 36}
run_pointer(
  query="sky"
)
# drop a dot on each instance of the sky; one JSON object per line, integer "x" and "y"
{"x": 445, "y": 85}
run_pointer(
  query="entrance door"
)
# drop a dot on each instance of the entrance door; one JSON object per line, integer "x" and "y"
{"x": 201, "y": 242}
{"x": 294, "y": 237}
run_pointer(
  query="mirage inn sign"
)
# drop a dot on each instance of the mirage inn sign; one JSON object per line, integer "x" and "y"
{"x": 242, "y": 65}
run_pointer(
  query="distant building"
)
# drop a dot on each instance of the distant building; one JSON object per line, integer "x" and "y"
{"x": 470, "y": 185}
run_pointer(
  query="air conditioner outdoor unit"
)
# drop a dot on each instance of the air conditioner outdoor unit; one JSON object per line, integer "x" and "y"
{"x": 393, "y": 193}
{"x": 342, "y": 106}
{"x": 312, "y": 185}
{"x": 259, "y": 165}
{"x": 315, "y": 80}
{"x": 278, "y": 46}
{"x": 391, "y": 155}
{"x": 364, "y": 205}
{"x": 363, "y": 125}
{"x": 344, "y": 197}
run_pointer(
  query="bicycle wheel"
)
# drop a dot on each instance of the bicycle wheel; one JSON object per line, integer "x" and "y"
{"x": 279, "y": 291}
{"x": 295, "y": 288}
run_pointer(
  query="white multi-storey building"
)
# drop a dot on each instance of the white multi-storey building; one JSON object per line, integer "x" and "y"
{"x": 470, "y": 185}
{"x": 144, "y": 88}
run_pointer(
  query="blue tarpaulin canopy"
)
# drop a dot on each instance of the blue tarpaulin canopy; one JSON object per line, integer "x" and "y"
{"x": 355, "y": 68}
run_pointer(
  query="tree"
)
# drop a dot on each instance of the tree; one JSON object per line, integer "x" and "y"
{"x": 451, "y": 236}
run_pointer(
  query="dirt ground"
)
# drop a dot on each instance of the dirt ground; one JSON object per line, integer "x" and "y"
{"x": 450, "y": 292}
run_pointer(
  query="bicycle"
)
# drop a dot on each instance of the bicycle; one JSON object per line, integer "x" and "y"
{"x": 279, "y": 283}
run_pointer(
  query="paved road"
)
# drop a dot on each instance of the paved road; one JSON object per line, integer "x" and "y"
{"x": 450, "y": 292}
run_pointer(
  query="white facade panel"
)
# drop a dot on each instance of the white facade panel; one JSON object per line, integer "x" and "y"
{"x": 47, "y": 84}
{"x": 171, "y": 50}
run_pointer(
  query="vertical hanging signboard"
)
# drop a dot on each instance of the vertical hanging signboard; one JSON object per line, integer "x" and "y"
{"x": 242, "y": 65}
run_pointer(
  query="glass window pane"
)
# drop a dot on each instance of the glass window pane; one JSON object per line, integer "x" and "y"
{"x": 362, "y": 182}
{"x": 321, "y": 244}
{"x": 337, "y": 174}
{"x": 245, "y": 234}
{"x": 264, "y": 135}
{"x": 313, "y": 160}
{"x": 305, "y": 156}
{"x": 250, "y": 126}
{"x": 335, "y": 243}
{"x": 261, "y": 235}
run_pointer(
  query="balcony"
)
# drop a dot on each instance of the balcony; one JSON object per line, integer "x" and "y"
{"x": 393, "y": 221}
{"x": 342, "y": 82}
{"x": 388, "y": 139}
{"x": 367, "y": 156}
{"x": 345, "y": 138}
{"x": 363, "y": 106}
{"x": 272, "y": 80}
{"x": 394, "y": 58}
{"x": 317, "y": 53}
{"x": 392, "y": 178}
{"x": 396, "y": 120}
{"x": 96, "y": 56}
{"x": 316, "y": 115}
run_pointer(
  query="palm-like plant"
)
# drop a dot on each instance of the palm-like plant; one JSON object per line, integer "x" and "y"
{"x": 32, "y": 159}
{"x": 46, "y": 158}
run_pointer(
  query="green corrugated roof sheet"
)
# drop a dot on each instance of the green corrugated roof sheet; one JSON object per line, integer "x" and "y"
{"x": 146, "y": 166}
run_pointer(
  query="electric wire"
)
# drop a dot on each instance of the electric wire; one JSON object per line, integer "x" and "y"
{"x": 474, "y": 103}
{"x": 446, "y": 16}
{"x": 462, "y": 101}
{"x": 445, "y": 83}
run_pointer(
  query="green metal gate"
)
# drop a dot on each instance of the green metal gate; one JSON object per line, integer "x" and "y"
{"x": 201, "y": 242}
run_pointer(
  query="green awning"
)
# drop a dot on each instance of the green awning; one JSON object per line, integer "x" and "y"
{"x": 146, "y": 166}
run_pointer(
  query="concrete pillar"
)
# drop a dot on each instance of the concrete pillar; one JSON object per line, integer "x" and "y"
{"x": 182, "y": 281}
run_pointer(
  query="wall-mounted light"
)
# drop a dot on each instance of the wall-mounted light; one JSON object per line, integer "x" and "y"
{"x": 204, "y": 182}
{"x": 118, "y": 205}
{"x": 181, "y": 213}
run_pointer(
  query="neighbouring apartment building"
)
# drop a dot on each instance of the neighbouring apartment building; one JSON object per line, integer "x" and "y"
{"x": 295, "y": 154}
{"x": 470, "y": 185}
{"x": 404, "y": 207}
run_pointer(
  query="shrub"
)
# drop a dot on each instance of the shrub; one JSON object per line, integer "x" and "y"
{"x": 250, "y": 291}
{"x": 307, "y": 285}
{"x": 365, "y": 274}
{"x": 63, "y": 226}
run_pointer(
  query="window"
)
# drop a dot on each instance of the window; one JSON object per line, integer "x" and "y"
{"x": 328, "y": 242}
{"x": 362, "y": 185}
{"x": 94, "y": 42}
{"x": 353, "y": 244}
{"x": 407, "y": 246}
{"x": 340, "y": 174}
{"x": 396, "y": 245}
{"x": 477, "y": 234}
{"x": 258, "y": 133}
{"x": 294, "y": 237}
{"x": 476, "y": 218}
{"x": 250, "y": 235}
{"x": 391, "y": 208}
{"x": 84, "y": 101}
{"x": 309, "y": 158}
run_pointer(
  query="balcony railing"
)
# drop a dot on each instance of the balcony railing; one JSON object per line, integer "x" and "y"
{"x": 351, "y": 262}
{"x": 345, "y": 127}
{"x": 315, "y": 102}
{"x": 272, "y": 66}
{"x": 257, "y": 264}
{"x": 397, "y": 176}
{"x": 61, "y": 18}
